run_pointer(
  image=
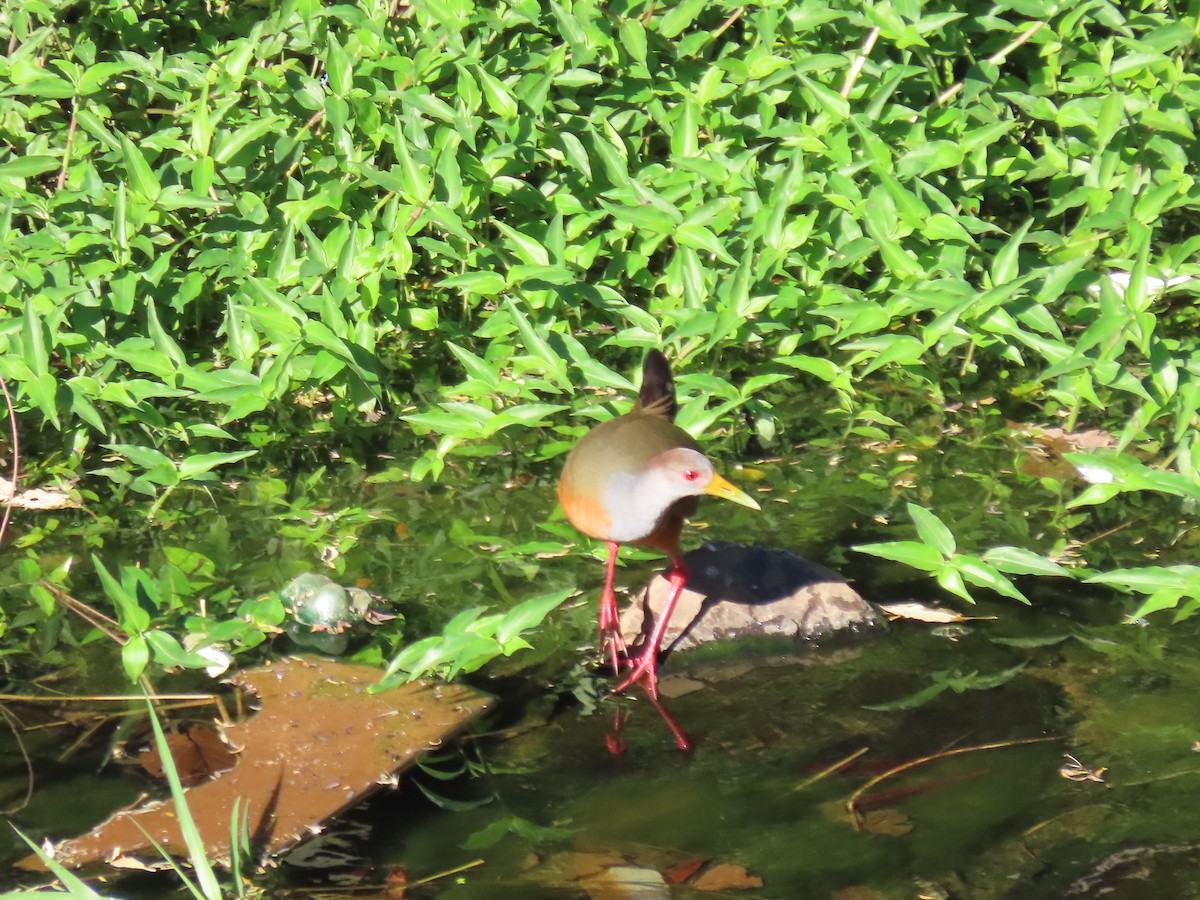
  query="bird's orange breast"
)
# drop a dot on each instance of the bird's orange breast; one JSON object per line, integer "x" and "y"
{"x": 585, "y": 509}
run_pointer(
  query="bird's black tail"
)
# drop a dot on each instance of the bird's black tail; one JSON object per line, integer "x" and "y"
{"x": 657, "y": 394}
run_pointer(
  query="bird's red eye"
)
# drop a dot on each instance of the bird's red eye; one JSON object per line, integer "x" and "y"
{"x": 691, "y": 475}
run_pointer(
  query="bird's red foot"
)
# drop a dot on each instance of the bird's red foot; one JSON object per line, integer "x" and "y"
{"x": 612, "y": 642}
{"x": 645, "y": 666}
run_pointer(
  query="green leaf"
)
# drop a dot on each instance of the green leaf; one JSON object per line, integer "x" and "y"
{"x": 338, "y": 67}
{"x": 135, "y": 655}
{"x": 487, "y": 284}
{"x": 163, "y": 342}
{"x": 911, "y": 553}
{"x": 141, "y": 178}
{"x": 980, "y": 574}
{"x": 1018, "y": 561}
{"x": 199, "y": 463}
{"x": 528, "y": 614}
{"x": 679, "y": 17}
{"x": 1005, "y": 266}
{"x": 932, "y": 156}
{"x": 210, "y": 888}
{"x": 229, "y": 145}
{"x": 169, "y": 653}
{"x": 1150, "y": 578}
{"x": 829, "y": 100}
{"x": 823, "y": 368}
{"x": 28, "y": 166}
{"x": 526, "y": 248}
{"x": 932, "y": 530}
{"x": 951, "y": 579}
{"x": 911, "y": 701}
{"x": 497, "y": 95}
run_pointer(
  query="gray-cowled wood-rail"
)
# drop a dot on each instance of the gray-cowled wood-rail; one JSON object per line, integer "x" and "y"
{"x": 634, "y": 480}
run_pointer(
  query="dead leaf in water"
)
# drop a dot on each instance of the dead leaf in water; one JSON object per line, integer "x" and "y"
{"x": 396, "y": 885}
{"x": 589, "y": 864}
{"x": 1060, "y": 440}
{"x": 39, "y": 499}
{"x": 727, "y": 877}
{"x": 319, "y": 744}
{"x": 199, "y": 753}
{"x": 889, "y": 822}
{"x": 920, "y": 612}
{"x": 855, "y": 892}
{"x": 681, "y": 872}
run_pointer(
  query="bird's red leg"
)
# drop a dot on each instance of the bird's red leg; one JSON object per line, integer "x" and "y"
{"x": 682, "y": 741}
{"x": 646, "y": 665}
{"x": 610, "y": 619}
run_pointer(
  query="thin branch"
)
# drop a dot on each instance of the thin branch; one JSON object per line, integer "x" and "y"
{"x": 307, "y": 126}
{"x": 62, "y": 173}
{"x": 93, "y": 617}
{"x": 859, "y": 62}
{"x": 14, "y": 725}
{"x": 194, "y": 699}
{"x": 852, "y": 803}
{"x": 733, "y": 17}
{"x": 446, "y": 874}
{"x": 830, "y": 770}
{"x": 995, "y": 59}
{"x": 16, "y": 461}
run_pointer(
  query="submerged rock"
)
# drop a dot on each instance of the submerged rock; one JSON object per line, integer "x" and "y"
{"x": 737, "y": 591}
{"x": 320, "y": 743}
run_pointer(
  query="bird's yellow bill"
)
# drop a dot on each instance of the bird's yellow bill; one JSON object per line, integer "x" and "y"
{"x": 719, "y": 487}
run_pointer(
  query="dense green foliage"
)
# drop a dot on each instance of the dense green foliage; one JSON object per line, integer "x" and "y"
{"x": 234, "y": 229}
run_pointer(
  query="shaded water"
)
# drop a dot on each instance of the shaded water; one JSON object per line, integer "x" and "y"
{"x": 766, "y": 719}
{"x": 989, "y": 823}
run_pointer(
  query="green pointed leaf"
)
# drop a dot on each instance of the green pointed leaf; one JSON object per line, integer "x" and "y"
{"x": 141, "y": 178}
{"x": 932, "y": 530}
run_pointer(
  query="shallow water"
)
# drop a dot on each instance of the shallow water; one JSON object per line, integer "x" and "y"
{"x": 994, "y": 822}
{"x": 767, "y": 720}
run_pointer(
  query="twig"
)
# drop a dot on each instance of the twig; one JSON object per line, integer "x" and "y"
{"x": 197, "y": 699}
{"x": 995, "y": 59}
{"x": 100, "y": 719}
{"x": 14, "y": 725}
{"x": 733, "y": 17}
{"x": 93, "y": 617}
{"x": 829, "y": 770}
{"x": 307, "y": 126}
{"x": 16, "y": 462}
{"x": 62, "y": 173}
{"x": 852, "y": 803}
{"x": 464, "y": 867}
{"x": 1111, "y": 531}
{"x": 859, "y": 62}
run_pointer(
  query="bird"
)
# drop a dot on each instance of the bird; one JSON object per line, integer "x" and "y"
{"x": 634, "y": 480}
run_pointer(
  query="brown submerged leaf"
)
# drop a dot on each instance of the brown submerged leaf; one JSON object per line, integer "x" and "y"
{"x": 199, "y": 753}
{"x": 726, "y": 877}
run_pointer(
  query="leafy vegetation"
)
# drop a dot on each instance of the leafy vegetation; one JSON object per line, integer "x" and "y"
{"x": 235, "y": 238}
{"x": 277, "y": 279}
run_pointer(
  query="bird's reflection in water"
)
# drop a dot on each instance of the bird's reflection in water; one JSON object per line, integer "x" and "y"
{"x": 614, "y": 739}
